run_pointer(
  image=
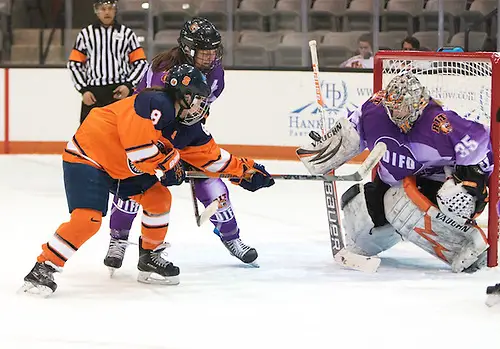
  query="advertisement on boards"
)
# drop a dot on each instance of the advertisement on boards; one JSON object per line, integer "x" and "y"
{"x": 342, "y": 93}
{"x": 279, "y": 108}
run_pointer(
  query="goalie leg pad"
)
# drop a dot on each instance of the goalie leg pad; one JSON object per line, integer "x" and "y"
{"x": 422, "y": 223}
{"x": 336, "y": 147}
{"x": 362, "y": 237}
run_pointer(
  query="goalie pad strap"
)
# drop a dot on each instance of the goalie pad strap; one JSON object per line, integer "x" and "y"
{"x": 336, "y": 147}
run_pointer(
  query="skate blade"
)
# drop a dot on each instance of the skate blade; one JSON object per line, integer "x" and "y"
{"x": 253, "y": 265}
{"x": 248, "y": 264}
{"x": 492, "y": 300}
{"x": 112, "y": 271}
{"x": 357, "y": 262}
{"x": 40, "y": 290}
{"x": 146, "y": 277}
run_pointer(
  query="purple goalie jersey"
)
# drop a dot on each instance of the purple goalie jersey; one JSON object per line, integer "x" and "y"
{"x": 439, "y": 138}
{"x": 215, "y": 79}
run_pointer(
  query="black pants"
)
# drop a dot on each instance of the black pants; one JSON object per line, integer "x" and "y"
{"x": 89, "y": 187}
{"x": 103, "y": 96}
{"x": 375, "y": 191}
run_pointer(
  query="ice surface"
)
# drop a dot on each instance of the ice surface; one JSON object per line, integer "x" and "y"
{"x": 298, "y": 298}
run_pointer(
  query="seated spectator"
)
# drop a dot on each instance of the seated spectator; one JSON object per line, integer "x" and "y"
{"x": 365, "y": 57}
{"x": 410, "y": 43}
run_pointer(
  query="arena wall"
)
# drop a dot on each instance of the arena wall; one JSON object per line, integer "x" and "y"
{"x": 261, "y": 114}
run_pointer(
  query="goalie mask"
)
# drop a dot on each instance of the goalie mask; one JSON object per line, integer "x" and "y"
{"x": 189, "y": 87}
{"x": 405, "y": 99}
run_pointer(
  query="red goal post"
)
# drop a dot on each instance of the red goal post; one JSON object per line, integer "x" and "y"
{"x": 467, "y": 82}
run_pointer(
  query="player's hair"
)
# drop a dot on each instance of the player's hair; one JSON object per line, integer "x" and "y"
{"x": 153, "y": 88}
{"x": 169, "y": 93}
{"x": 413, "y": 41}
{"x": 164, "y": 61}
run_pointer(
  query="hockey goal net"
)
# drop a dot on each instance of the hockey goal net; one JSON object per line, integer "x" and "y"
{"x": 467, "y": 83}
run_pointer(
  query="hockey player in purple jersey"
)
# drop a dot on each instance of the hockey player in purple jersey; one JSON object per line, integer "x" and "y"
{"x": 430, "y": 185}
{"x": 199, "y": 45}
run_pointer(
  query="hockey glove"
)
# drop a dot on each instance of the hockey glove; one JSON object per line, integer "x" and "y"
{"x": 475, "y": 181}
{"x": 175, "y": 176}
{"x": 254, "y": 176}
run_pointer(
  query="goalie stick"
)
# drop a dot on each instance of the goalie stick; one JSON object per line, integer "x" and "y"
{"x": 363, "y": 171}
{"x": 337, "y": 239}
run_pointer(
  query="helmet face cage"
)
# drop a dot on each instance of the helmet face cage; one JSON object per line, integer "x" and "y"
{"x": 405, "y": 99}
{"x": 191, "y": 91}
{"x": 195, "y": 109}
{"x": 199, "y": 34}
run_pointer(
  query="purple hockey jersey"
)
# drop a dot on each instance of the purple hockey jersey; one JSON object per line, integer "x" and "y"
{"x": 215, "y": 79}
{"x": 439, "y": 138}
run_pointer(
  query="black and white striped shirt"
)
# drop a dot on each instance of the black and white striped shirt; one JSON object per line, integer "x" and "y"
{"x": 105, "y": 56}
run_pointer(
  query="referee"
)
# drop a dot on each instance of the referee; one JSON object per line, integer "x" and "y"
{"x": 107, "y": 60}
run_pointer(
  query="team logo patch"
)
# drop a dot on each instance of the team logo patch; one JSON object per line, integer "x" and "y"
{"x": 440, "y": 124}
{"x": 173, "y": 82}
{"x": 194, "y": 27}
{"x": 222, "y": 201}
{"x": 186, "y": 80}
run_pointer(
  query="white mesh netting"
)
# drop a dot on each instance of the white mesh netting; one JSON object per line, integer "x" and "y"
{"x": 464, "y": 87}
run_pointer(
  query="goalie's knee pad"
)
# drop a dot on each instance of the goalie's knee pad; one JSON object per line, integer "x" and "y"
{"x": 419, "y": 221}
{"x": 362, "y": 237}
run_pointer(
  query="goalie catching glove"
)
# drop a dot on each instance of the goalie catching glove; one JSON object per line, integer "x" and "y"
{"x": 254, "y": 176}
{"x": 335, "y": 148}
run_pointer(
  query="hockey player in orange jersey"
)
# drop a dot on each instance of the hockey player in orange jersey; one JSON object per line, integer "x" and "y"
{"x": 127, "y": 148}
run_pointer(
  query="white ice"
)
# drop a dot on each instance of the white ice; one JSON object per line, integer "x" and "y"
{"x": 298, "y": 298}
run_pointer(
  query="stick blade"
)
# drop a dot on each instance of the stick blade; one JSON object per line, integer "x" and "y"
{"x": 209, "y": 212}
{"x": 492, "y": 300}
{"x": 358, "y": 262}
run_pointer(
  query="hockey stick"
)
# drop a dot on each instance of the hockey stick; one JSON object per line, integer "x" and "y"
{"x": 364, "y": 170}
{"x": 207, "y": 213}
{"x": 209, "y": 210}
{"x": 337, "y": 239}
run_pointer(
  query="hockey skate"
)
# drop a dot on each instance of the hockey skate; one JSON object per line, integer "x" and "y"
{"x": 238, "y": 249}
{"x": 493, "y": 293}
{"x": 116, "y": 252}
{"x": 40, "y": 280}
{"x": 154, "y": 269}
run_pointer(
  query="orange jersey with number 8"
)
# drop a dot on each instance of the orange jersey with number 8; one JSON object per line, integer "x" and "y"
{"x": 122, "y": 139}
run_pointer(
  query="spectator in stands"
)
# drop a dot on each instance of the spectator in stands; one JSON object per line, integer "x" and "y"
{"x": 490, "y": 45}
{"x": 365, "y": 57}
{"x": 410, "y": 43}
{"x": 107, "y": 60}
